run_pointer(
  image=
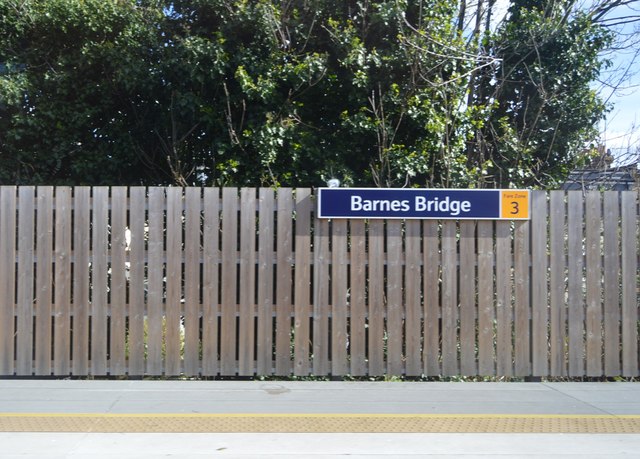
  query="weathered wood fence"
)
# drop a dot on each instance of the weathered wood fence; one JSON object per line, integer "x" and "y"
{"x": 223, "y": 282}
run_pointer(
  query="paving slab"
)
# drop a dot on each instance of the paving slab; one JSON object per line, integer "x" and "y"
{"x": 25, "y": 399}
{"x": 136, "y": 446}
{"x": 315, "y": 397}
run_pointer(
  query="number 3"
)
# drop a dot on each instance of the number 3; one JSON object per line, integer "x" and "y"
{"x": 516, "y": 208}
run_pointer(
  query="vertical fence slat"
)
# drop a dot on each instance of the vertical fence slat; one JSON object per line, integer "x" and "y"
{"x": 413, "y": 317}
{"x": 192, "y": 310}
{"x": 81, "y": 266}
{"x": 137, "y": 280}
{"x": 539, "y": 284}
{"x": 155, "y": 293}
{"x": 210, "y": 283}
{"x": 629, "y": 284}
{"x": 593, "y": 259}
{"x": 339, "y": 363}
{"x": 7, "y": 278}
{"x": 118, "y": 287}
{"x": 302, "y": 326}
{"x": 26, "y": 205}
{"x": 486, "y": 309}
{"x": 376, "y": 298}
{"x": 574, "y": 287}
{"x": 44, "y": 247}
{"x": 522, "y": 305}
{"x": 467, "y": 298}
{"x": 557, "y": 327}
{"x": 395, "y": 304}
{"x": 246, "y": 337}
{"x": 449, "y": 299}
{"x": 504, "y": 307}
{"x": 229, "y": 268}
{"x": 357, "y": 298}
{"x": 173, "y": 281}
{"x": 431, "y": 281}
{"x": 611, "y": 284}
{"x": 284, "y": 287}
{"x": 321, "y": 261}
{"x": 99, "y": 282}
{"x": 265, "y": 282}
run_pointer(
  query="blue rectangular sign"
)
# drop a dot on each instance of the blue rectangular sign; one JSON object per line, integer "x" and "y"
{"x": 420, "y": 203}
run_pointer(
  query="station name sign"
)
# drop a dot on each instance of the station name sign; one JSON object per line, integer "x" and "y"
{"x": 421, "y": 203}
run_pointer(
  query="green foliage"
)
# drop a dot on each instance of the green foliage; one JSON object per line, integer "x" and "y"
{"x": 544, "y": 110}
{"x": 67, "y": 97}
{"x": 290, "y": 93}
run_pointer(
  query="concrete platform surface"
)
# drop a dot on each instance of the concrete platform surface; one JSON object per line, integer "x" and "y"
{"x": 140, "y": 419}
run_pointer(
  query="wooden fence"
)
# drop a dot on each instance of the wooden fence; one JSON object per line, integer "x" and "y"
{"x": 222, "y": 282}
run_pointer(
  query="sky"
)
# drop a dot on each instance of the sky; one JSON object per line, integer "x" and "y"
{"x": 621, "y": 129}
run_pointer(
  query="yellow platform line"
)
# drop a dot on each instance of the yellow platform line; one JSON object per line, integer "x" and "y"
{"x": 318, "y": 423}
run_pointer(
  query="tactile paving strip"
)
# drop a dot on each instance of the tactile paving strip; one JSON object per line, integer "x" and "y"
{"x": 317, "y": 423}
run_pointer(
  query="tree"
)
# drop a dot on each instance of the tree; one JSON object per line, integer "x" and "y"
{"x": 355, "y": 89}
{"x": 541, "y": 109}
{"x": 66, "y": 92}
{"x": 292, "y": 92}
{"x": 620, "y": 80}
